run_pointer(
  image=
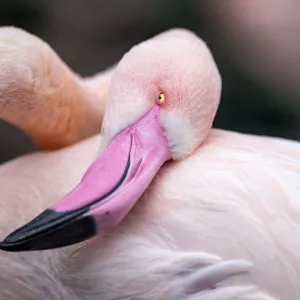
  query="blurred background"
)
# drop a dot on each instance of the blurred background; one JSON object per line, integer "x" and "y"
{"x": 256, "y": 44}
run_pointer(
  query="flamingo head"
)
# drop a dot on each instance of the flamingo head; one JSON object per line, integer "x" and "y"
{"x": 163, "y": 98}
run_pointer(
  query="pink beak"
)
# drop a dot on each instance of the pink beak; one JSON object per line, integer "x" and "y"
{"x": 107, "y": 192}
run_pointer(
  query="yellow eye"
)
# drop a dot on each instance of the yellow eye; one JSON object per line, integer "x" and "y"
{"x": 161, "y": 98}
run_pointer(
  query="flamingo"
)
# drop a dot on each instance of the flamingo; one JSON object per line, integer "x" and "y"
{"x": 211, "y": 214}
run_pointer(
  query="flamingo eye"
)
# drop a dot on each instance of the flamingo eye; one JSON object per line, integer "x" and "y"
{"x": 161, "y": 98}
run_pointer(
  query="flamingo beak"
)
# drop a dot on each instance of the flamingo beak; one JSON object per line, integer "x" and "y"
{"x": 107, "y": 192}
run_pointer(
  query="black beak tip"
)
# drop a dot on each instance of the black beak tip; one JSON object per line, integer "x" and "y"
{"x": 11, "y": 247}
{"x": 51, "y": 230}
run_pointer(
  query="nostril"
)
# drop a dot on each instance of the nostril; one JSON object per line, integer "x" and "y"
{"x": 136, "y": 169}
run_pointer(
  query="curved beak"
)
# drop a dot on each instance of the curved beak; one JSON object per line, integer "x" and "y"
{"x": 107, "y": 192}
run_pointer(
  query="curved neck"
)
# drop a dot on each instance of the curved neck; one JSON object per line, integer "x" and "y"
{"x": 58, "y": 111}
